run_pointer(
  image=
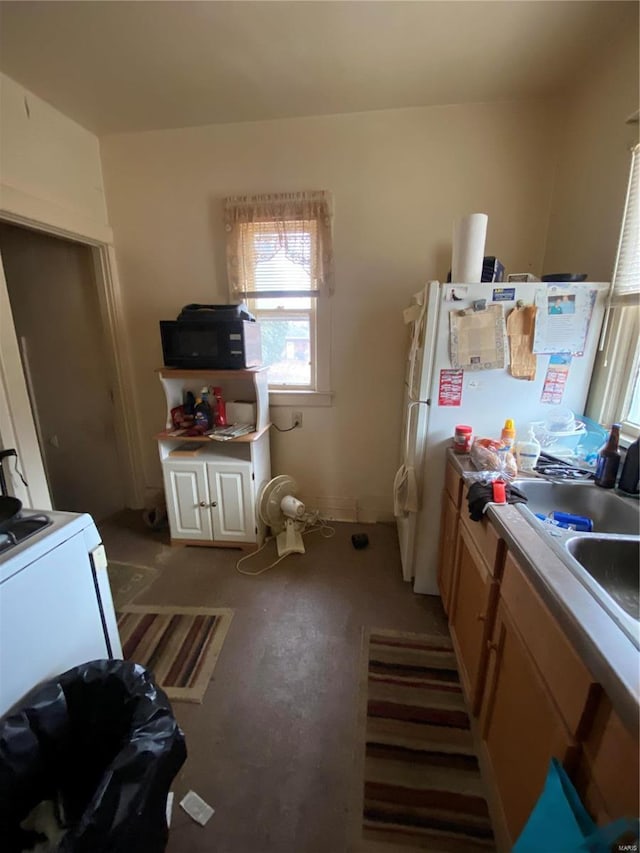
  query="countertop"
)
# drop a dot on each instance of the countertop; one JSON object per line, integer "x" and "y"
{"x": 611, "y": 657}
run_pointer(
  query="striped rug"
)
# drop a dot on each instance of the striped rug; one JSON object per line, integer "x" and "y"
{"x": 422, "y": 784}
{"x": 180, "y": 645}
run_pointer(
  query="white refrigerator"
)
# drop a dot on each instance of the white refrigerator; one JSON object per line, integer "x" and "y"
{"x": 438, "y": 395}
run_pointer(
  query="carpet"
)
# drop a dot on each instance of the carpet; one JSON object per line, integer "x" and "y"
{"x": 180, "y": 645}
{"x": 422, "y": 784}
{"x": 127, "y": 581}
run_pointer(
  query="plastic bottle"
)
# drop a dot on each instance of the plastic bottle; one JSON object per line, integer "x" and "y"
{"x": 608, "y": 460}
{"x": 221, "y": 409}
{"x": 528, "y": 452}
{"x": 508, "y": 435}
{"x": 202, "y": 415}
{"x": 628, "y": 482}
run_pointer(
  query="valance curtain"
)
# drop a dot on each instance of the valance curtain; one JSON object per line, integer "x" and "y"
{"x": 626, "y": 275}
{"x": 260, "y": 226}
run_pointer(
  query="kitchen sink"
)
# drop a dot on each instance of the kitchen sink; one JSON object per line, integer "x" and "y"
{"x": 607, "y": 560}
{"x": 610, "y": 512}
{"x": 614, "y": 563}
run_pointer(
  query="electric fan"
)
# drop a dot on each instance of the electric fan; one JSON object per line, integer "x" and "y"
{"x": 283, "y": 512}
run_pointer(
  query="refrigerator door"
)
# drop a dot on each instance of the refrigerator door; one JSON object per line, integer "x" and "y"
{"x": 489, "y": 397}
{"x": 423, "y": 318}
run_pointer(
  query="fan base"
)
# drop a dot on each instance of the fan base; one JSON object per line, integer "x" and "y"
{"x": 290, "y": 540}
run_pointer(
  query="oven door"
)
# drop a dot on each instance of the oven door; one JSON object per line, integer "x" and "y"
{"x": 50, "y": 619}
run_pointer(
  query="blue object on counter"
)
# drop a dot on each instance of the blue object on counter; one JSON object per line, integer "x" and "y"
{"x": 548, "y": 520}
{"x": 577, "y": 522}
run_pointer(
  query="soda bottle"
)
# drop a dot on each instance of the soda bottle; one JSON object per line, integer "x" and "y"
{"x": 608, "y": 460}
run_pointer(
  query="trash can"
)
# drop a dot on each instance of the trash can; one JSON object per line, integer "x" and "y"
{"x": 101, "y": 743}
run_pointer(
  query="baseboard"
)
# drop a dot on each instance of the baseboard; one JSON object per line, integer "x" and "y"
{"x": 332, "y": 508}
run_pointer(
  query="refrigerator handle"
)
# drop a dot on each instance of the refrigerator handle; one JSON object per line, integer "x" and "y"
{"x": 410, "y": 406}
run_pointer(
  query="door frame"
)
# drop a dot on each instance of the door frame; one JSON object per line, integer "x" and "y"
{"x": 17, "y": 426}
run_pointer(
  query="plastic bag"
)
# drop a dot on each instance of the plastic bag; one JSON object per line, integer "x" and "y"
{"x": 490, "y": 455}
{"x": 102, "y": 742}
{"x": 559, "y": 821}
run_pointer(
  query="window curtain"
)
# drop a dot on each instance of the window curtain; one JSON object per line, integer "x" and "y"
{"x": 626, "y": 274}
{"x": 259, "y": 226}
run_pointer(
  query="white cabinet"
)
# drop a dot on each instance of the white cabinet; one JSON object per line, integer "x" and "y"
{"x": 185, "y": 485}
{"x": 211, "y": 487}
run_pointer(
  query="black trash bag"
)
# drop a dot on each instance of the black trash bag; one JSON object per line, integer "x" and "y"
{"x": 101, "y": 740}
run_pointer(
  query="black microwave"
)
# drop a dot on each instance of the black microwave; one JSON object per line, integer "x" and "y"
{"x": 218, "y": 345}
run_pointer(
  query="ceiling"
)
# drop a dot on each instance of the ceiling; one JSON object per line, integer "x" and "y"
{"x": 133, "y": 66}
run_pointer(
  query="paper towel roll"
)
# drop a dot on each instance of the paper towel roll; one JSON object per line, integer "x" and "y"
{"x": 469, "y": 234}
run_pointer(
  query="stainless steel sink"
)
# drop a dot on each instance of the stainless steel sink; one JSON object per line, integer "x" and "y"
{"x": 614, "y": 563}
{"x": 607, "y": 560}
{"x": 610, "y": 512}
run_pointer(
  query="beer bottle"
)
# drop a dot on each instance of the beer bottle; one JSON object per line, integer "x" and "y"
{"x": 608, "y": 460}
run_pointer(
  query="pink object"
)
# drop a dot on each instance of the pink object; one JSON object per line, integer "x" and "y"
{"x": 499, "y": 492}
{"x": 221, "y": 408}
{"x": 462, "y": 438}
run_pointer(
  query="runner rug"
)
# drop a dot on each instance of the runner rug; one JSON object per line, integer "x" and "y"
{"x": 180, "y": 645}
{"x": 422, "y": 784}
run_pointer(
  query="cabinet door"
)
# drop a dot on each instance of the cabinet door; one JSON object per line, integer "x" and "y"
{"x": 447, "y": 552}
{"x": 232, "y": 508}
{"x": 187, "y": 501}
{"x": 521, "y": 728}
{"x": 473, "y": 603}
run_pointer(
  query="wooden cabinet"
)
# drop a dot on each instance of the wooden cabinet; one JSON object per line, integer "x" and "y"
{"x": 473, "y": 605}
{"x": 521, "y": 727}
{"x": 607, "y": 775}
{"x": 212, "y": 487}
{"x": 449, "y": 517}
{"x": 535, "y": 697}
{"x": 447, "y": 549}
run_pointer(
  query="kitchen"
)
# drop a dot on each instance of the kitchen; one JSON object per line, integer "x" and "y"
{"x": 426, "y": 165}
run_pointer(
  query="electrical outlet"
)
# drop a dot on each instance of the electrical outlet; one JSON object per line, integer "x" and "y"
{"x": 296, "y": 419}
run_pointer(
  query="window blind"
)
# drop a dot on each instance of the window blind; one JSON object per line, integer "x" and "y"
{"x": 626, "y": 273}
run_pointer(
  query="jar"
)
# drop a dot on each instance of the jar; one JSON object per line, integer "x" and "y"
{"x": 462, "y": 438}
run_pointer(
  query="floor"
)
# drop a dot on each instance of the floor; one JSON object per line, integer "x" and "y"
{"x": 272, "y": 746}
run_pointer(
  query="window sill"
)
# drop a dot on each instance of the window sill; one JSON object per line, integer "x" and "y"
{"x": 300, "y": 398}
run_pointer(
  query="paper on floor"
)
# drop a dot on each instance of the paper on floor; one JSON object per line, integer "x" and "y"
{"x": 196, "y": 808}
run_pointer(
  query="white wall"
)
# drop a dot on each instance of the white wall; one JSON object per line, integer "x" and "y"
{"x": 593, "y": 165}
{"x": 399, "y": 179}
{"x": 48, "y": 164}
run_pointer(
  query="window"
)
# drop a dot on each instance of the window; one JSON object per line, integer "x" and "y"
{"x": 615, "y": 391}
{"x": 279, "y": 261}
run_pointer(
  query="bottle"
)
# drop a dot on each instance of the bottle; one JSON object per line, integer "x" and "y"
{"x": 221, "y": 409}
{"x": 608, "y": 460}
{"x": 508, "y": 435}
{"x": 202, "y": 414}
{"x": 628, "y": 482}
{"x": 528, "y": 452}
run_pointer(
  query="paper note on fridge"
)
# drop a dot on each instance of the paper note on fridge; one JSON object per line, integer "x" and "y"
{"x": 477, "y": 339}
{"x": 562, "y": 319}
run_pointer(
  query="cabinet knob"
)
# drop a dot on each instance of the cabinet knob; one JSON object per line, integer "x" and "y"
{"x": 213, "y": 503}
{"x": 493, "y": 647}
{"x": 481, "y": 617}
{"x": 203, "y": 503}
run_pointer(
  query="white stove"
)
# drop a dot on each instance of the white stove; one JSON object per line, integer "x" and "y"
{"x": 56, "y": 609}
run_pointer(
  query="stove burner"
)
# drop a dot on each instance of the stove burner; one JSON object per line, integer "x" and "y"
{"x": 22, "y": 528}
{"x": 560, "y": 469}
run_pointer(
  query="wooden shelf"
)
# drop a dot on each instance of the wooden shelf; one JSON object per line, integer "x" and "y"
{"x": 180, "y": 373}
{"x": 248, "y": 437}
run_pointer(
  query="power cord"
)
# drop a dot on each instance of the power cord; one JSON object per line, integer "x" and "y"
{"x": 288, "y": 429}
{"x": 311, "y": 518}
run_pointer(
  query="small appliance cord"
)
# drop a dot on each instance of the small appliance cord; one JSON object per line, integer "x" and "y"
{"x": 313, "y": 519}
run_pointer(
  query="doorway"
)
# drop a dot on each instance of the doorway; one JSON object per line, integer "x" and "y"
{"x": 56, "y": 313}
